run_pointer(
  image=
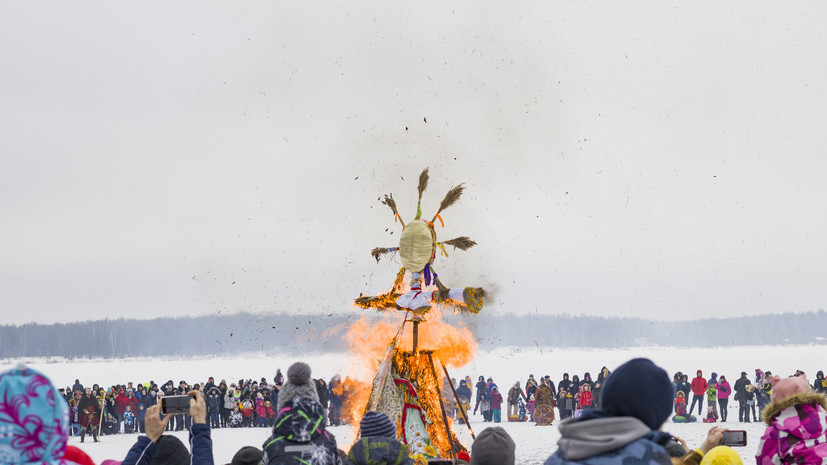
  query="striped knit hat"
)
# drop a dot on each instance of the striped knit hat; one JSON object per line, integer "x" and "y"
{"x": 376, "y": 424}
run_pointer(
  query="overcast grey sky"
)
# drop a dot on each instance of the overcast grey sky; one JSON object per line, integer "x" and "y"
{"x": 649, "y": 158}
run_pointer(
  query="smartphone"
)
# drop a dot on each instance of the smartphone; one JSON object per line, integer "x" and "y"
{"x": 737, "y": 438}
{"x": 171, "y": 405}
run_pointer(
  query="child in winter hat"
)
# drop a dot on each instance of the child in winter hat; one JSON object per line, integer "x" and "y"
{"x": 376, "y": 424}
{"x": 298, "y": 385}
{"x": 796, "y": 422}
{"x": 30, "y": 399}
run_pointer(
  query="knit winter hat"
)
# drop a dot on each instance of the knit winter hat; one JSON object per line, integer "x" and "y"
{"x": 722, "y": 455}
{"x": 493, "y": 447}
{"x": 783, "y": 388}
{"x": 298, "y": 385}
{"x": 170, "y": 451}
{"x": 376, "y": 424}
{"x": 636, "y": 379}
{"x": 247, "y": 455}
{"x": 30, "y": 399}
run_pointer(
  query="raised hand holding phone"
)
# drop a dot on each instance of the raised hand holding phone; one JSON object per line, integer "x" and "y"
{"x": 197, "y": 407}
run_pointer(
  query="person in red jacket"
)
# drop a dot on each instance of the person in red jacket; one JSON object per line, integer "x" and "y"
{"x": 121, "y": 401}
{"x": 496, "y": 404}
{"x": 586, "y": 396}
{"x": 698, "y": 387}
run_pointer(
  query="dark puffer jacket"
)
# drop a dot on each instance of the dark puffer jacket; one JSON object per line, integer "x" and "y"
{"x": 379, "y": 451}
{"x": 299, "y": 437}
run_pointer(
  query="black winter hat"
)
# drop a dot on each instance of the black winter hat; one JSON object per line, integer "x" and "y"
{"x": 638, "y": 378}
{"x": 170, "y": 451}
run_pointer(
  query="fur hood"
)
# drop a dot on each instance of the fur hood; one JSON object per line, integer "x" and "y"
{"x": 803, "y": 398}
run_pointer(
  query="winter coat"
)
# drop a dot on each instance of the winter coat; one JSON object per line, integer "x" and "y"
{"x": 463, "y": 392}
{"x": 496, "y": 400}
{"x": 609, "y": 440}
{"x": 724, "y": 390}
{"x": 299, "y": 437}
{"x": 740, "y": 387}
{"x": 144, "y": 449}
{"x": 564, "y": 383}
{"x": 698, "y": 386}
{"x": 711, "y": 393}
{"x": 261, "y": 410}
{"x": 88, "y": 411}
{"x": 235, "y": 418}
{"x": 515, "y": 393}
{"x": 796, "y": 430}
{"x": 574, "y": 387}
{"x": 685, "y": 387}
{"x": 482, "y": 390}
{"x": 144, "y": 403}
{"x": 586, "y": 399}
{"x": 820, "y": 384}
{"x": 680, "y": 407}
{"x": 213, "y": 398}
{"x": 379, "y": 451}
{"x": 229, "y": 400}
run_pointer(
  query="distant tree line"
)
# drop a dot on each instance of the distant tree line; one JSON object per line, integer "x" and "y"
{"x": 300, "y": 334}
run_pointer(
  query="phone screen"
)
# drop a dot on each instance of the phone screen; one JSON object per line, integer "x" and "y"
{"x": 734, "y": 438}
{"x": 175, "y": 404}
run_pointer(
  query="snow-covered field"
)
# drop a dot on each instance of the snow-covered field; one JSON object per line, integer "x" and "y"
{"x": 505, "y": 365}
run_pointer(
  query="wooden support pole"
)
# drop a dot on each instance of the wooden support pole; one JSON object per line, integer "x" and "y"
{"x": 442, "y": 406}
{"x": 456, "y": 396}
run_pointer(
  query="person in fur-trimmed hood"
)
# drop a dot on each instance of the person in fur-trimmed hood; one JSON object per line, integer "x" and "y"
{"x": 796, "y": 421}
{"x": 299, "y": 436}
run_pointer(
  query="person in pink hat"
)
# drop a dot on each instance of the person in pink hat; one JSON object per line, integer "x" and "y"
{"x": 796, "y": 421}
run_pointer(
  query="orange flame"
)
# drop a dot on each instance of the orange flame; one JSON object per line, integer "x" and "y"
{"x": 450, "y": 345}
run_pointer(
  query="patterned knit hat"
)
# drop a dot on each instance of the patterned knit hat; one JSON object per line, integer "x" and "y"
{"x": 298, "y": 385}
{"x": 35, "y": 425}
{"x": 376, "y": 424}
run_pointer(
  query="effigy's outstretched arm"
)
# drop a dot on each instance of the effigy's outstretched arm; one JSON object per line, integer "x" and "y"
{"x": 419, "y": 301}
{"x": 384, "y": 301}
{"x": 377, "y": 252}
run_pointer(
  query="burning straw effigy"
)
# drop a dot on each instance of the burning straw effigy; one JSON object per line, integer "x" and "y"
{"x": 407, "y": 386}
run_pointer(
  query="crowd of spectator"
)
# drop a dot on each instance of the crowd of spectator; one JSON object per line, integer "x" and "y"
{"x": 614, "y": 426}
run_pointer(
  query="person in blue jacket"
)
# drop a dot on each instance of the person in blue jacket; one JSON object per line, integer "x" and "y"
{"x": 624, "y": 429}
{"x": 169, "y": 449}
